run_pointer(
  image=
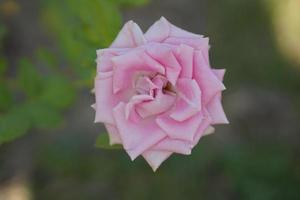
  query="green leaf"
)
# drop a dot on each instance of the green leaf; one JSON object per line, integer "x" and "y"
{"x": 13, "y": 125}
{"x": 29, "y": 79}
{"x": 131, "y": 2}
{"x": 57, "y": 92}
{"x": 3, "y": 66}
{"x": 5, "y": 97}
{"x": 103, "y": 142}
{"x": 42, "y": 116}
{"x": 2, "y": 31}
{"x": 45, "y": 56}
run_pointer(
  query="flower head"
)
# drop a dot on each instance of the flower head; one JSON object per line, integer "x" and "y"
{"x": 156, "y": 92}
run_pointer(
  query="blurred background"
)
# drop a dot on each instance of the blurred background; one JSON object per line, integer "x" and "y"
{"x": 47, "y": 134}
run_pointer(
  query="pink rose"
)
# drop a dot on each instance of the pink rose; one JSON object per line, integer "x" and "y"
{"x": 156, "y": 92}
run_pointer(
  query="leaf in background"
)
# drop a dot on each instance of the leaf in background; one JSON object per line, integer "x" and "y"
{"x": 3, "y": 66}
{"x": 2, "y": 31}
{"x": 103, "y": 142}
{"x": 57, "y": 92}
{"x": 43, "y": 116}
{"x": 81, "y": 27}
{"x": 29, "y": 79}
{"x": 131, "y": 2}
{"x": 13, "y": 124}
{"x": 48, "y": 58}
{"x": 5, "y": 98}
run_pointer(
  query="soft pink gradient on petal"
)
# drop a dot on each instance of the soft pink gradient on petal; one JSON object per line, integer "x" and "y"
{"x": 201, "y": 129}
{"x": 184, "y": 130}
{"x": 136, "y": 137}
{"x": 216, "y": 111}
{"x": 127, "y": 66}
{"x": 130, "y": 36}
{"x": 156, "y": 158}
{"x": 215, "y": 107}
{"x": 105, "y": 99}
{"x": 209, "y": 84}
{"x": 173, "y": 145}
{"x": 114, "y": 136}
{"x": 189, "y": 101}
{"x": 197, "y": 43}
{"x": 185, "y": 56}
{"x": 165, "y": 56}
{"x": 130, "y": 108}
{"x": 161, "y": 103}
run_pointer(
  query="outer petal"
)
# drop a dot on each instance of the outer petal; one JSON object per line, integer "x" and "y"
{"x": 173, "y": 145}
{"x": 136, "y": 137}
{"x": 197, "y": 43}
{"x": 104, "y": 56}
{"x": 114, "y": 136}
{"x": 105, "y": 99}
{"x": 130, "y": 36}
{"x": 165, "y": 32}
{"x": 184, "y": 130}
{"x": 215, "y": 107}
{"x": 219, "y": 73}
{"x": 202, "y": 129}
{"x": 209, "y": 84}
{"x": 216, "y": 111}
{"x": 156, "y": 158}
{"x": 163, "y": 29}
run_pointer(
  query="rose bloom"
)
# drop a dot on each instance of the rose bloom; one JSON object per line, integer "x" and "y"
{"x": 156, "y": 92}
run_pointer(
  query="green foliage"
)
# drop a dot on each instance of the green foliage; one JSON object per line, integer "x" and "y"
{"x": 103, "y": 142}
{"x": 5, "y": 97}
{"x": 81, "y": 27}
{"x": 32, "y": 99}
{"x": 3, "y": 66}
{"x": 57, "y": 92}
{"x": 43, "y": 86}
{"x": 14, "y": 124}
{"x": 29, "y": 79}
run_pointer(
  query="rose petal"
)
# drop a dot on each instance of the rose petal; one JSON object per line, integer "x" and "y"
{"x": 162, "y": 29}
{"x": 185, "y": 56}
{"x": 158, "y": 31}
{"x": 173, "y": 145}
{"x": 184, "y": 130}
{"x": 114, "y": 136}
{"x": 128, "y": 65}
{"x": 165, "y": 56}
{"x": 189, "y": 101}
{"x": 197, "y": 43}
{"x": 130, "y": 109}
{"x": 202, "y": 129}
{"x": 130, "y": 36}
{"x": 209, "y": 84}
{"x": 219, "y": 73}
{"x": 136, "y": 137}
{"x": 156, "y": 158}
{"x": 105, "y": 99}
{"x": 161, "y": 103}
{"x": 216, "y": 111}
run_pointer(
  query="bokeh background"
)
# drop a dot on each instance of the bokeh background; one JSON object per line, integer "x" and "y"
{"x": 47, "y": 134}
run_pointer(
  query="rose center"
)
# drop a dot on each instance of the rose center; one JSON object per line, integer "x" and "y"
{"x": 151, "y": 85}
